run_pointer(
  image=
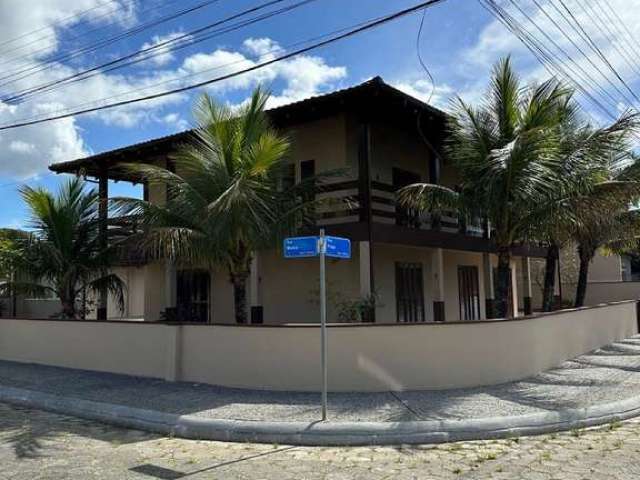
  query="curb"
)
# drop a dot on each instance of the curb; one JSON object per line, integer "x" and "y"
{"x": 325, "y": 433}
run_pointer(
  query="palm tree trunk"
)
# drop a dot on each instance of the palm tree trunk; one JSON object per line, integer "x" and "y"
{"x": 68, "y": 308}
{"x": 503, "y": 279}
{"x": 551, "y": 264}
{"x": 239, "y": 282}
{"x": 585, "y": 254}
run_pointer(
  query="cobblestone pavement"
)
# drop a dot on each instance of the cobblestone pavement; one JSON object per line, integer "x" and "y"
{"x": 40, "y": 445}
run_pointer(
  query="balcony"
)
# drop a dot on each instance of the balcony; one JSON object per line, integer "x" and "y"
{"x": 343, "y": 205}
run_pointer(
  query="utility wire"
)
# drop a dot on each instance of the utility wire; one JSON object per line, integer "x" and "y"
{"x": 611, "y": 37}
{"x": 30, "y": 71}
{"x": 597, "y": 50}
{"x": 548, "y": 61}
{"x": 636, "y": 44}
{"x": 619, "y": 32}
{"x": 30, "y": 58}
{"x": 58, "y": 23}
{"x": 585, "y": 55}
{"x": 420, "y": 59}
{"x": 188, "y": 39}
{"x": 368, "y": 26}
{"x": 575, "y": 70}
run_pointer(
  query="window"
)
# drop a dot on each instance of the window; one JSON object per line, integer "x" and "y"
{"x": 193, "y": 295}
{"x": 469, "y": 293}
{"x": 409, "y": 293}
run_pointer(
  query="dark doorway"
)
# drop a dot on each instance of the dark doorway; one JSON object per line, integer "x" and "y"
{"x": 409, "y": 293}
{"x": 469, "y": 293}
{"x": 193, "y": 288}
{"x": 402, "y": 178}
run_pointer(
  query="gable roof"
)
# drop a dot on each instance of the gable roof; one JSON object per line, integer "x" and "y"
{"x": 356, "y": 97}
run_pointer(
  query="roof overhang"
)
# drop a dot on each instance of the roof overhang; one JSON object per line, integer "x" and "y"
{"x": 371, "y": 99}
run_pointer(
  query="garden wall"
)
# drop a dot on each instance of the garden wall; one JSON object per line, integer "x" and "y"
{"x": 361, "y": 357}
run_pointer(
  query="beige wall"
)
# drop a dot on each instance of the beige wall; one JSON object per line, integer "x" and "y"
{"x": 361, "y": 358}
{"x": 122, "y": 347}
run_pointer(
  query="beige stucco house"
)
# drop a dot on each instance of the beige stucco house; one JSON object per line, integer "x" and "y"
{"x": 420, "y": 269}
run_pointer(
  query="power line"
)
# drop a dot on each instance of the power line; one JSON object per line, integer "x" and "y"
{"x": 30, "y": 71}
{"x": 188, "y": 39}
{"x": 597, "y": 50}
{"x": 581, "y": 35}
{"x": 28, "y": 60}
{"x": 630, "y": 36}
{"x": 369, "y": 25}
{"x": 547, "y": 59}
{"x": 620, "y": 34}
{"x": 182, "y": 78}
{"x": 609, "y": 35}
{"x": 592, "y": 83}
{"x": 60, "y": 22}
{"x": 420, "y": 59}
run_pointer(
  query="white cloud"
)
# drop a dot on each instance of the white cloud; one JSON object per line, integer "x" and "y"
{"x": 422, "y": 89}
{"x": 28, "y": 150}
{"x": 162, "y": 55}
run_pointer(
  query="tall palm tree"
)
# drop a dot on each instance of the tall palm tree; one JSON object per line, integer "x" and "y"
{"x": 64, "y": 255}
{"x": 507, "y": 152}
{"x": 603, "y": 180}
{"x": 226, "y": 197}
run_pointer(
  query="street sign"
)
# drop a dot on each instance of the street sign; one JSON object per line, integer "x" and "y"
{"x": 300, "y": 247}
{"x": 338, "y": 247}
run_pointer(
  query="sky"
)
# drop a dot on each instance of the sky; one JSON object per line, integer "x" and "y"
{"x": 43, "y": 40}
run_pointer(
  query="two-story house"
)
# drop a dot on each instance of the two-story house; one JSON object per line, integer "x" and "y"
{"x": 421, "y": 268}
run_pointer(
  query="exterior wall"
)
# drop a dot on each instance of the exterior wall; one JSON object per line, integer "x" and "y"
{"x": 605, "y": 268}
{"x": 394, "y": 147}
{"x": 122, "y": 347}
{"x": 603, "y": 292}
{"x": 361, "y": 357}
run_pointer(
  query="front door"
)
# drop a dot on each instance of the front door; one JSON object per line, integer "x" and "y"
{"x": 402, "y": 178}
{"x": 469, "y": 293}
{"x": 193, "y": 288}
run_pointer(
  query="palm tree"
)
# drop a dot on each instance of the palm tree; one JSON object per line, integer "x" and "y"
{"x": 508, "y": 153}
{"x": 598, "y": 177}
{"x": 226, "y": 197}
{"x": 63, "y": 255}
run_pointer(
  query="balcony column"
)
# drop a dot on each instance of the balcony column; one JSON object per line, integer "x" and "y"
{"x": 103, "y": 218}
{"x": 489, "y": 291}
{"x": 366, "y": 278}
{"x": 367, "y": 286}
{"x": 255, "y": 295}
{"x": 437, "y": 273}
{"x": 526, "y": 285}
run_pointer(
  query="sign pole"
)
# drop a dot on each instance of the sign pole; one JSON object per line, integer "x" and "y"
{"x": 322, "y": 247}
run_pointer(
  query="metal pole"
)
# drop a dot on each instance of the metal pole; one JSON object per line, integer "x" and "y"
{"x": 323, "y": 322}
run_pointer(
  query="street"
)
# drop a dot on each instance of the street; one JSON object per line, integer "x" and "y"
{"x": 40, "y": 445}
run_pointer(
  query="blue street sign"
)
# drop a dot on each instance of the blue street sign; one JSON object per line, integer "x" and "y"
{"x": 338, "y": 247}
{"x": 299, "y": 247}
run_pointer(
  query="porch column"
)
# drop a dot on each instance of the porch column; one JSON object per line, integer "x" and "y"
{"x": 103, "y": 204}
{"x": 514, "y": 289}
{"x": 526, "y": 285}
{"x": 255, "y": 297}
{"x": 437, "y": 269}
{"x": 170, "y": 285}
{"x": 366, "y": 278}
{"x": 489, "y": 291}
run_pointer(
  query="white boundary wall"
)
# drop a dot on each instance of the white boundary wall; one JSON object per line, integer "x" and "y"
{"x": 362, "y": 357}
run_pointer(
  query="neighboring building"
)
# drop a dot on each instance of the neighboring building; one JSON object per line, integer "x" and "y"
{"x": 421, "y": 269}
{"x": 611, "y": 278}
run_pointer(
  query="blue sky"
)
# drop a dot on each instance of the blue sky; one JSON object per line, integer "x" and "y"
{"x": 460, "y": 42}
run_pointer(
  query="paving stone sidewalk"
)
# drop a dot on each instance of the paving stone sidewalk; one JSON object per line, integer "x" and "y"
{"x": 608, "y": 374}
{"x": 41, "y": 445}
